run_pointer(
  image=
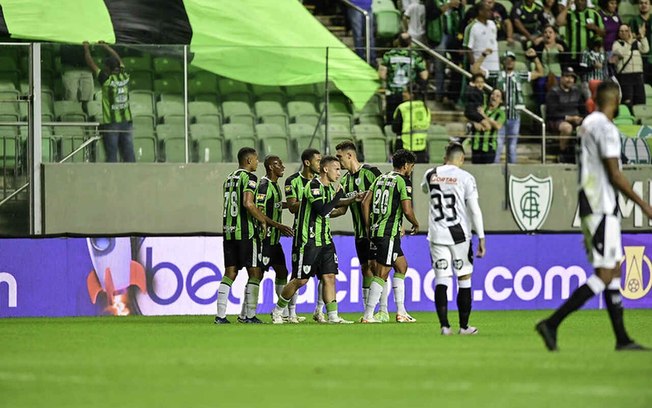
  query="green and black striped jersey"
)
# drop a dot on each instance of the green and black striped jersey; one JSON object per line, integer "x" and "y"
{"x": 312, "y": 226}
{"x": 386, "y": 213}
{"x": 270, "y": 202}
{"x": 238, "y": 223}
{"x": 115, "y": 96}
{"x": 294, "y": 186}
{"x": 353, "y": 184}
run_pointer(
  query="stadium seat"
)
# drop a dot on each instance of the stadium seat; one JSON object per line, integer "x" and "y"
{"x": 212, "y": 98}
{"x": 302, "y": 112}
{"x": 642, "y": 112}
{"x": 238, "y": 112}
{"x": 338, "y": 112}
{"x": 273, "y": 139}
{"x": 364, "y": 131}
{"x": 301, "y": 135}
{"x": 237, "y": 136}
{"x": 71, "y": 111}
{"x": 94, "y": 111}
{"x": 232, "y": 90}
{"x": 140, "y": 80}
{"x": 209, "y": 143}
{"x": 374, "y": 149}
{"x": 142, "y": 63}
{"x": 203, "y": 82}
{"x": 145, "y": 145}
{"x": 336, "y": 133}
{"x": 9, "y": 149}
{"x": 648, "y": 94}
{"x": 204, "y": 112}
{"x": 271, "y": 112}
{"x": 388, "y": 20}
{"x": 69, "y": 139}
{"x": 170, "y": 112}
{"x": 437, "y": 141}
{"x": 169, "y": 85}
{"x": 268, "y": 93}
{"x": 627, "y": 11}
{"x": 165, "y": 65}
{"x": 172, "y": 142}
{"x": 507, "y": 4}
{"x": 624, "y": 116}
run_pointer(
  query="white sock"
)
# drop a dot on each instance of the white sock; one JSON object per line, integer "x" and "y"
{"x": 365, "y": 295}
{"x": 320, "y": 298}
{"x": 375, "y": 291}
{"x": 222, "y": 299}
{"x": 398, "y": 284}
{"x": 384, "y": 297}
{"x": 292, "y": 305}
{"x": 596, "y": 284}
{"x": 251, "y": 297}
{"x": 243, "y": 311}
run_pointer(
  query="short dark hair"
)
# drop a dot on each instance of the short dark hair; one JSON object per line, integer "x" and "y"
{"x": 308, "y": 154}
{"x": 606, "y": 89}
{"x": 402, "y": 157}
{"x": 326, "y": 160}
{"x": 404, "y": 39}
{"x": 346, "y": 145}
{"x": 268, "y": 161}
{"x": 244, "y": 153}
{"x": 112, "y": 63}
{"x": 477, "y": 75}
{"x": 454, "y": 148}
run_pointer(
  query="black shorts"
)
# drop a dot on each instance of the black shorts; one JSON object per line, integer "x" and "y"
{"x": 385, "y": 250}
{"x": 310, "y": 260}
{"x": 242, "y": 253}
{"x": 362, "y": 247}
{"x": 272, "y": 255}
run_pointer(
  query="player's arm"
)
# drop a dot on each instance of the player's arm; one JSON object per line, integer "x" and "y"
{"x": 263, "y": 219}
{"x": 476, "y": 216}
{"x": 618, "y": 180}
{"x": 291, "y": 202}
{"x": 324, "y": 208}
{"x": 89, "y": 59}
{"x": 365, "y": 207}
{"x": 409, "y": 214}
{"x": 111, "y": 51}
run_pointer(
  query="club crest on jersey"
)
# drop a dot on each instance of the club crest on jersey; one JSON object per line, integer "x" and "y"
{"x": 288, "y": 189}
{"x": 252, "y": 184}
{"x": 266, "y": 260}
{"x": 530, "y": 199}
{"x": 458, "y": 263}
{"x": 306, "y": 269}
{"x": 316, "y": 192}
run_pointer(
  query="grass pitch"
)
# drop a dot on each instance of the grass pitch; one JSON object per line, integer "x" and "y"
{"x": 186, "y": 361}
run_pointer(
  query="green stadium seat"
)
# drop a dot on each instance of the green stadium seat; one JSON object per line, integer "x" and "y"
{"x": 388, "y": 23}
{"x": 94, "y": 111}
{"x": 145, "y": 145}
{"x": 306, "y": 93}
{"x": 389, "y": 133}
{"x": 374, "y": 149}
{"x": 203, "y": 82}
{"x": 69, "y": 139}
{"x": 209, "y": 143}
{"x": 237, "y": 136}
{"x": 170, "y": 112}
{"x": 364, "y": 131}
{"x": 172, "y": 142}
{"x": 507, "y": 4}
{"x": 146, "y": 122}
{"x": 142, "y": 101}
{"x": 336, "y": 134}
{"x": 624, "y": 116}
{"x": 302, "y": 112}
{"x": 133, "y": 63}
{"x": 301, "y": 136}
{"x": 648, "y": 94}
{"x": 204, "y": 112}
{"x": 339, "y": 113}
{"x": 166, "y": 65}
{"x": 238, "y": 112}
{"x": 169, "y": 85}
{"x": 642, "y": 112}
{"x": 437, "y": 141}
{"x": 212, "y": 98}
{"x": 69, "y": 111}
{"x": 140, "y": 80}
{"x": 271, "y": 112}
{"x": 268, "y": 93}
{"x": 9, "y": 149}
{"x": 274, "y": 140}
{"x": 627, "y": 11}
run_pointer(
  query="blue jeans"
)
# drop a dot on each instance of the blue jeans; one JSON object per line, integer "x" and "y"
{"x": 357, "y": 22}
{"x": 118, "y": 136}
{"x": 440, "y": 71}
{"x": 511, "y": 130}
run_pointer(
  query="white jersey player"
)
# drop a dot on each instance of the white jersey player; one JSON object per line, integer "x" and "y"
{"x": 453, "y": 210}
{"x": 600, "y": 177}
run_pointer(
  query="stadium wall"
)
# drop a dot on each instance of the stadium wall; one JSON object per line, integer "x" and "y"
{"x": 180, "y": 275}
{"x": 180, "y": 199}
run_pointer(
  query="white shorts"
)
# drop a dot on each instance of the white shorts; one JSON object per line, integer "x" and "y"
{"x": 447, "y": 259}
{"x": 602, "y": 240}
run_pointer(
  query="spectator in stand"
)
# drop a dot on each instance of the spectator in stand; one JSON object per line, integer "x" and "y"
{"x": 511, "y": 83}
{"x": 483, "y": 143}
{"x": 551, "y": 53}
{"x": 357, "y": 23}
{"x": 499, "y": 16}
{"x": 594, "y": 66}
{"x": 474, "y": 100}
{"x": 551, "y": 10}
{"x": 565, "y": 111}
{"x": 400, "y": 69}
{"x": 414, "y": 20}
{"x": 611, "y": 22}
{"x": 626, "y": 53}
{"x": 643, "y": 20}
{"x": 443, "y": 19}
{"x": 528, "y": 21}
{"x": 411, "y": 122}
{"x": 582, "y": 24}
{"x": 480, "y": 35}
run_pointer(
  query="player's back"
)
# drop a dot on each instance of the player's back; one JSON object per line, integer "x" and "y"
{"x": 388, "y": 192}
{"x": 599, "y": 139}
{"x": 238, "y": 223}
{"x": 449, "y": 187}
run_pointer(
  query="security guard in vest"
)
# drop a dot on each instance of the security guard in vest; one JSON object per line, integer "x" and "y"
{"x": 411, "y": 123}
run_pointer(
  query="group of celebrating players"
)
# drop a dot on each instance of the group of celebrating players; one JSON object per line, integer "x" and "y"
{"x": 378, "y": 202}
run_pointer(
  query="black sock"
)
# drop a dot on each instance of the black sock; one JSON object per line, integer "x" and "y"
{"x": 614, "y": 303}
{"x": 441, "y": 304}
{"x": 574, "y": 302}
{"x": 464, "y": 306}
